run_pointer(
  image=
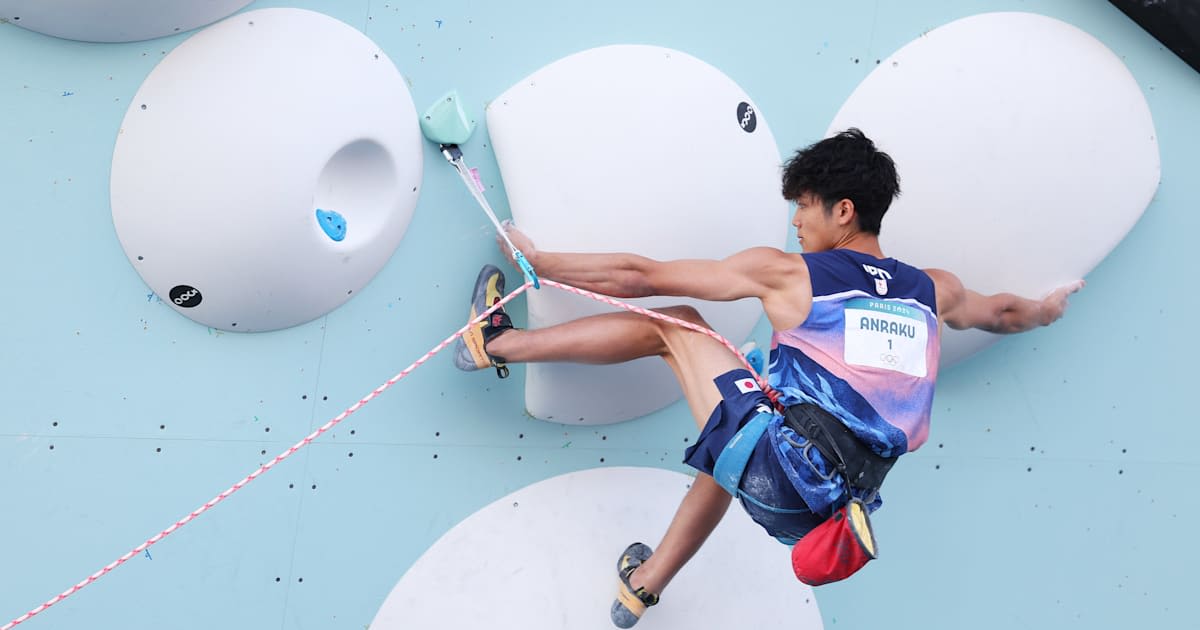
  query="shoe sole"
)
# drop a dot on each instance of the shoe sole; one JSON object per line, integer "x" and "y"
{"x": 628, "y": 609}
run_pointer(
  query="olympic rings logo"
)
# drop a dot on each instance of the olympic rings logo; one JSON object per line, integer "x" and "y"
{"x": 889, "y": 358}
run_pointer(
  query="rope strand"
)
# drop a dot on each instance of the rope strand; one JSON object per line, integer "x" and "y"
{"x": 772, "y": 394}
{"x": 263, "y": 468}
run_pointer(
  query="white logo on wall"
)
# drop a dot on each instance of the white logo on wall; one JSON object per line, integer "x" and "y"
{"x": 185, "y": 297}
{"x": 881, "y": 278}
{"x": 746, "y": 117}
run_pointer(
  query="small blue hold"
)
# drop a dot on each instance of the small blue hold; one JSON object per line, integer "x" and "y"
{"x": 333, "y": 224}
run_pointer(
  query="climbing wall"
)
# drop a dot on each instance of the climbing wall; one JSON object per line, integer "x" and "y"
{"x": 1052, "y": 492}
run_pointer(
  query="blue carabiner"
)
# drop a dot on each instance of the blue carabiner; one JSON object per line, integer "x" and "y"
{"x": 526, "y": 268}
{"x": 756, "y": 360}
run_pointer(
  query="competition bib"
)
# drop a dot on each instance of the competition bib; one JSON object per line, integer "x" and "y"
{"x": 886, "y": 335}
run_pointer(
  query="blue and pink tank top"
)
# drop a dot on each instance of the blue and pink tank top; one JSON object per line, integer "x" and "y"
{"x": 868, "y": 352}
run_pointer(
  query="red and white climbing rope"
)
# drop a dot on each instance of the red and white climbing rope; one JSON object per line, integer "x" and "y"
{"x": 355, "y": 407}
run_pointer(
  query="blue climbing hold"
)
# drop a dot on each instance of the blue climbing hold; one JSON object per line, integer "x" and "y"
{"x": 332, "y": 223}
{"x": 756, "y": 360}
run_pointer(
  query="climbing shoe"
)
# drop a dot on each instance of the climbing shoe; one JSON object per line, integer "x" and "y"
{"x": 471, "y": 348}
{"x": 629, "y": 605}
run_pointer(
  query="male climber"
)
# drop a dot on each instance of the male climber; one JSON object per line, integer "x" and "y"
{"x": 854, "y": 358}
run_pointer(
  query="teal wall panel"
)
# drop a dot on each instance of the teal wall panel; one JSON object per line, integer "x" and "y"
{"x": 1053, "y": 492}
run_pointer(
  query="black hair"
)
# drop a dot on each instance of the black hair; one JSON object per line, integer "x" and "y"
{"x": 845, "y": 166}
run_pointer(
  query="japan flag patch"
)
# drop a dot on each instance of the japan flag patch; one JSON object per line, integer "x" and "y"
{"x": 747, "y": 385}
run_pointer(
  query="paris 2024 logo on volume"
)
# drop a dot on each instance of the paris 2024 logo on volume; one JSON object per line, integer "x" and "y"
{"x": 184, "y": 296}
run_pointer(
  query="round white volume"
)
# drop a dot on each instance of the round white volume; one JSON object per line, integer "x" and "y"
{"x": 115, "y": 20}
{"x": 259, "y": 180}
{"x": 545, "y": 558}
{"x": 1025, "y": 148}
{"x": 641, "y": 149}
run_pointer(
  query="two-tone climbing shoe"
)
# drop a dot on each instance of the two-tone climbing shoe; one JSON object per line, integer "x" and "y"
{"x": 471, "y": 348}
{"x": 631, "y": 603}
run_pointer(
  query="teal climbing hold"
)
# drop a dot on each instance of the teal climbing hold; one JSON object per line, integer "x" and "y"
{"x": 445, "y": 122}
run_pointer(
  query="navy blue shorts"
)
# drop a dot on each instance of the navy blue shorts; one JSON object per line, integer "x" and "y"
{"x": 766, "y": 493}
